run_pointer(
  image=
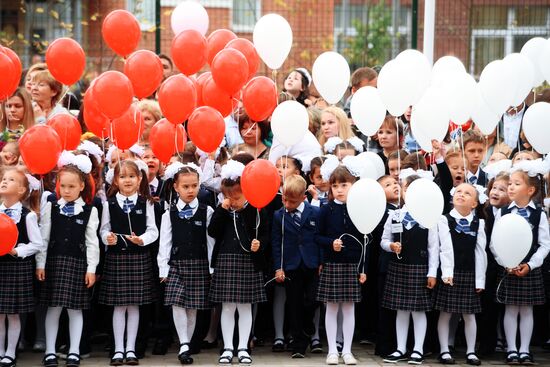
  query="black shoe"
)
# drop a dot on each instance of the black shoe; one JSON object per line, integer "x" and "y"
{"x": 132, "y": 360}
{"x": 278, "y": 345}
{"x": 117, "y": 361}
{"x": 472, "y": 359}
{"x": 160, "y": 348}
{"x": 512, "y": 358}
{"x": 73, "y": 360}
{"x": 415, "y": 358}
{"x": 50, "y": 362}
{"x": 185, "y": 357}
{"x": 526, "y": 359}
{"x": 244, "y": 358}
{"x": 141, "y": 347}
{"x": 448, "y": 360}
{"x": 12, "y": 362}
{"x": 207, "y": 345}
{"x": 395, "y": 357}
{"x": 297, "y": 355}
{"x": 316, "y": 347}
{"x": 226, "y": 358}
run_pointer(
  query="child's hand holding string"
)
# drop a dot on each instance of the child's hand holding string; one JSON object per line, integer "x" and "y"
{"x": 431, "y": 282}
{"x": 337, "y": 245}
{"x": 111, "y": 239}
{"x": 40, "y": 274}
{"x": 226, "y": 204}
{"x": 255, "y": 245}
{"x": 280, "y": 276}
{"x": 136, "y": 240}
{"x": 395, "y": 247}
{"x": 89, "y": 280}
{"x": 362, "y": 278}
{"x": 522, "y": 270}
{"x": 448, "y": 281}
{"x": 313, "y": 191}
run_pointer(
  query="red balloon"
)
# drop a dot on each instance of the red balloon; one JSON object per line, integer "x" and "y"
{"x": 206, "y": 128}
{"x": 260, "y": 182}
{"x": 66, "y": 60}
{"x": 113, "y": 93}
{"x": 8, "y": 234}
{"x": 200, "y": 84}
{"x": 127, "y": 128}
{"x": 177, "y": 98}
{"x": 40, "y": 148}
{"x": 68, "y": 129}
{"x": 217, "y": 41}
{"x": 95, "y": 121}
{"x": 249, "y": 51}
{"x": 260, "y": 98}
{"x": 18, "y": 68}
{"x": 166, "y": 139}
{"x": 121, "y": 32}
{"x": 189, "y": 51}
{"x": 6, "y": 83}
{"x": 215, "y": 97}
{"x": 144, "y": 69}
{"x": 230, "y": 70}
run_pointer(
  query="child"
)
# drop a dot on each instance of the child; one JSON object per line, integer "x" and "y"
{"x": 463, "y": 264}
{"x": 411, "y": 275}
{"x": 296, "y": 259}
{"x": 297, "y": 84}
{"x": 16, "y": 268}
{"x": 395, "y": 163}
{"x": 154, "y": 167}
{"x": 343, "y": 259}
{"x": 319, "y": 188}
{"x": 390, "y": 137}
{"x": 455, "y": 162}
{"x": 241, "y": 232}
{"x": 475, "y": 147}
{"x": 127, "y": 227}
{"x": 185, "y": 253}
{"x": 9, "y": 156}
{"x": 524, "y": 155}
{"x": 68, "y": 263}
{"x": 342, "y": 148}
{"x": 522, "y": 287}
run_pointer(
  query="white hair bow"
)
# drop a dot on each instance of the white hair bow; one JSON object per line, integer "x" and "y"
{"x": 81, "y": 161}
{"x": 232, "y": 170}
{"x": 175, "y": 167}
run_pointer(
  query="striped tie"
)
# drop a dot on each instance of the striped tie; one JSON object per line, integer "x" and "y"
{"x": 186, "y": 212}
{"x": 463, "y": 226}
{"x": 68, "y": 209}
{"x": 128, "y": 205}
{"x": 296, "y": 217}
{"x": 473, "y": 180}
{"x": 408, "y": 222}
{"x": 523, "y": 212}
{"x": 10, "y": 213}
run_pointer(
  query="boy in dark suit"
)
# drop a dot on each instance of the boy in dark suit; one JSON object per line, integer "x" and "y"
{"x": 296, "y": 258}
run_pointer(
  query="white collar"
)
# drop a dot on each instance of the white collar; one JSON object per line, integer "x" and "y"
{"x": 78, "y": 205}
{"x": 456, "y": 215}
{"x": 17, "y": 206}
{"x": 193, "y": 204}
{"x": 470, "y": 174}
{"x": 300, "y": 208}
{"x": 514, "y": 205}
{"x": 495, "y": 210}
{"x": 120, "y": 198}
{"x": 154, "y": 182}
{"x": 322, "y": 194}
{"x": 338, "y": 202}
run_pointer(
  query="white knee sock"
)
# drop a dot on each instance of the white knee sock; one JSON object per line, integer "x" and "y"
{"x": 348, "y": 325}
{"x": 14, "y": 329}
{"x": 443, "y": 331}
{"x": 331, "y": 321}
{"x": 279, "y": 300}
{"x": 402, "y": 329}
{"x": 339, "y": 331}
{"x": 525, "y": 327}
{"x": 470, "y": 332}
{"x": 214, "y": 323}
{"x": 132, "y": 328}
{"x": 119, "y": 324}
{"x": 76, "y": 321}
{"x": 180, "y": 322}
{"x": 228, "y": 324}
{"x": 511, "y": 326}
{"x": 52, "y": 326}
{"x": 316, "y": 318}
{"x": 2, "y": 334}
{"x": 420, "y": 323}
{"x": 245, "y": 323}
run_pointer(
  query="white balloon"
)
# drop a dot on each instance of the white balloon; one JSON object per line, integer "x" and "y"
{"x": 544, "y": 61}
{"x": 494, "y": 86}
{"x": 511, "y": 240}
{"x": 445, "y": 66}
{"x": 367, "y": 110}
{"x": 431, "y": 115}
{"x": 366, "y": 204}
{"x": 189, "y": 15}
{"x": 424, "y": 201}
{"x": 483, "y": 116}
{"x": 418, "y": 69}
{"x": 307, "y": 147}
{"x": 289, "y": 122}
{"x": 389, "y": 86}
{"x": 376, "y": 161}
{"x": 369, "y": 169}
{"x": 422, "y": 138}
{"x": 522, "y": 79}
{"x": 331, "y": 76}
{"x": 533, "y": 50}
{"x": 272, "y": 38}
{"x": 460, "y": 90}
{"x": 535, "y": 126}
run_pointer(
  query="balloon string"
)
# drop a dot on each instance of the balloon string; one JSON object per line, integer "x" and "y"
{"x": 463, "y": 157}
{"x": 398, "y": 170}
{"x": 363, "y": 248}
{"x": 274, "y": 77}
{"x": 136, "y": 123}
{"x": 498, "y": 289}
{"x": 63, "y": 97}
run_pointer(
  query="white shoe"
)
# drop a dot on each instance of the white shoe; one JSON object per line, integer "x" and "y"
{"x": 349, "y": 359}
{"x": 332, "y": 359}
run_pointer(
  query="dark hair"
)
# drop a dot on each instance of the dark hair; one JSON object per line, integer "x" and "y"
{"x": 186, "y": 157}
{"x": 398, "y": 154}
{"x": 409, "y": 180}
{"x": 228, "y": 185}
{"x": 535, "y": 182}
{"x": 415, "y": 161}
{"x": 97, "y": 169}
{"x": 346, "y": 145}
{"x": 304, "y": 93}
{"x": 167, "y": 58}
{"x": 143, "y": 189}
{"x": 316, "y": 162}
{"x": 243, "y": 158}
{"x": 87, "y": 194}
{"x": 341, "y": 174}
{"x": 169, "y": 190}
{"x": 295, "y": 161}
{"x": 262, "y": 125}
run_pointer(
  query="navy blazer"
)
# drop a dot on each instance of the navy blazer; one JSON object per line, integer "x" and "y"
{"x": 299, "y": 241}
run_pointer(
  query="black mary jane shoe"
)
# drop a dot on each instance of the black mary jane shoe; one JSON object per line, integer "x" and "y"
{"x": 278, "y": 345}
{"x": 12, "y": 362}
{"x": 416, "y": 360}
{"x": 73, "y": 360}
{"x": 512, "y": 358}
{"x": 225, "y": 358}
{"x": 526, "y": 359}
{"x": 50, "y": 362}
{"x": 131, "y": 361}
{"x": 185, "y": 357}
{"x": 395, "y": 357}
{"x": 448, "y": 360}
{"x": 117, "y": 361}
{"x": 472, "y": 359}
{"x": 244, "y": 358}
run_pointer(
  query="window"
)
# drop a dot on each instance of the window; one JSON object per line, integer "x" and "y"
{"x": 245, "y": 14}
{"x": 144, "y": 10}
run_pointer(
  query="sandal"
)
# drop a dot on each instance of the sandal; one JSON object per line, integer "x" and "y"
{"x": 12, "y": 362}
{"x": 278, "y": 345}
{"x": 512, "y": 358}
{"x": 226, "y": 358}
{"x": 50, "y": 360}
{"x": 526, "y": 359}
{"x": 73, "y": 360}
{"x": 244, "y": 358}
{"x": 131, "y": 361}
{"x": 474, "y": 360}
{"x": 449, "y": 360}
{"x": 185, "y": 356}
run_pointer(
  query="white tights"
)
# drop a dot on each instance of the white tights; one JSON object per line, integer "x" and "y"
{"x": 525, "y": 313}
{"x": 52, "y": 326}
{"x": 119, "y": 324}
{"x": 228, "y": 323}
{"x": 470, "y": 330}
{"x": 348, "y": 324}
{"x": 420, "y": 324}
{"x": 184, "y": 320}
{"x": 14, "y": 329}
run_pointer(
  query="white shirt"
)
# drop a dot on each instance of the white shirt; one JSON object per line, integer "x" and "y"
{"x": 307, "y": 147}
{"x": 92, "y": 242}
{"x": 155, "y": 183}
{"x": 211, "y": 178}
{"x": 433, "y": 240}
{"x": 544, "y": 237}
{"x": 151, "y": 231}
{"x": 470, "y": 174}
{"x": 299, "y": 209}
{"x": 512, "y": 127}
{"x": 35, "y": 244}
{"x": 320, "y": 195}
{"x": 446, "y": 254}
{"x": 165, "y": 245}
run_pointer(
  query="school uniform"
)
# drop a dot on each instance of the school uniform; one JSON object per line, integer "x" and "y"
{"x": 407, "y": 274}
{"x": 185, "y": 253}
{"x": 479, "y": 178}
{"x": 527, "y": 290}
{"x": 296, "y": 252}
{"x": 322, "y": 198}
{"x": 70, "y": 232}
{"x": 128, "y": 277}
{"x": 238, "y": 276}
{"x": 339, "y": 281}
{"x": 463, "y": 258}
{"x": 17, "y": 272}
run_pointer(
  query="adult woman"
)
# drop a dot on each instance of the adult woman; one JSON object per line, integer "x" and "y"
{"x": 46, "y": 92}
{"x": 17, "y": 116}
{"x": 253, "y": 134}
{"x": 151, "y": 113}
{"x": 334, "y": 122}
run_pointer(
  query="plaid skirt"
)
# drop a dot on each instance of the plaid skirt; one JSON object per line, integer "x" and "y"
{"x": 405, "y": 288}
{"x": 127, "y": 279}
{"x": 339, "y": 283}
{"x": 461, "y": 297}
{"x": 521, "y": 291}
{"x": 16, "y": 290}
{"x": 65, "y": 283}
{"x": 235, "y": 280}
{"x": 188, "y": 284}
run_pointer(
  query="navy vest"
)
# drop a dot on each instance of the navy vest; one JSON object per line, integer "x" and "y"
{"x": 414, "y": 245}
{"x": 534, "y": 220}
{"x": 119, "y": 224}
{"x": 189, "y": 235}
{"x": 68, "y": 234}
{"x": 464, "y": 245}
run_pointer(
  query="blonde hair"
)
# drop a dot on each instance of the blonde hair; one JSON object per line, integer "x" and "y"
{"x": 295, "y": 185}
{"x": 150, "y": 106}
{"x": 41, "y": 66}
{"x": 344, "y": 124}
{"x": 46, "y": 76}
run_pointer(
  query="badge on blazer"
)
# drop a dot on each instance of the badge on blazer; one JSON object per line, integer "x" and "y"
{"x": 397, "y": 228}
{"x": 139, "y": 211}
{"x": 198, "y": 222}
{"x": 312, "y": 223}
{"x": 80, "y": 221}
